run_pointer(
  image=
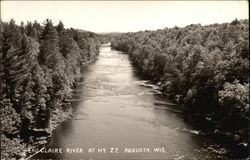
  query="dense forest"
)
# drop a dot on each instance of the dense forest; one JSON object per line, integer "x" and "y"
{"x": 40, "y": 65}
{"x": 206, "y": 68}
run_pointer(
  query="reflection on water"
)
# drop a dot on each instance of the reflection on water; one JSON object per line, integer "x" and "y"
{"x": 116, "y": 109}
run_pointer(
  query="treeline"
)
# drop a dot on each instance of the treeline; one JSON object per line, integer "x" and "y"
{"x": 39, "y": 66}
{"x": 105, "y": 38}
{"x": 204, "y": 67}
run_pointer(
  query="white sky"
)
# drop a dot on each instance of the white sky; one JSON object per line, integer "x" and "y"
{"x": 125, "y": 16}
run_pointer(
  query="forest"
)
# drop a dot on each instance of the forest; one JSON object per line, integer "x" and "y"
{"x": 40, "y": 66}
{"x": 205, "y": 68}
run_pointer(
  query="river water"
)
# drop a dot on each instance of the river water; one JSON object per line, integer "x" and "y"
{"x": 116, "y": 110}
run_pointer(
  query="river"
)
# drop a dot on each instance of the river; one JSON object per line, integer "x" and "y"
{"x": 117, "y": 113}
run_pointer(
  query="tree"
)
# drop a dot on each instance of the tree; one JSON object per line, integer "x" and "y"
{"x": 204, "y": 67}
{"x": 49, "y": 50}
{"x": 38, "y": 68}
{"x": 60, "y": 27}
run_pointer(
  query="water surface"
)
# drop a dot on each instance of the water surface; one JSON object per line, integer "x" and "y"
{"x": 114, "y": 108}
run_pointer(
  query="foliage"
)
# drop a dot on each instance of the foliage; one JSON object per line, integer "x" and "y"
{"x": 11, "y": 148}
{"x": 39, "y": 67}
{"x": 235, "y": 97}
{"x": 10, "y": 119}
{"x": 204, "y": 67}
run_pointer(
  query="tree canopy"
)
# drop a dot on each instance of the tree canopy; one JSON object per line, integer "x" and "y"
{"x": 39, "y": 67}
{"x": 204, "y": 67}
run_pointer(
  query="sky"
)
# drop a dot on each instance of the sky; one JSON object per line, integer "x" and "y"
{"x": 125, "y": 16}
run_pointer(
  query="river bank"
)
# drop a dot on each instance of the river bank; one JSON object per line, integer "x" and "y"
{"x": 231, "y": 143}
{"x": 205, "y": 68}
{"x": 57, "y": 116}
{"x": 116, "y": 108}
{"x": 38, "y": 72}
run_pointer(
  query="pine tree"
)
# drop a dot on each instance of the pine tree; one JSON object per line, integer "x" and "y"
{"x": 11, "y": 41}
{"x": 60, "y": 27}
{"x": 53, "y": 62}
{"x": 49, "y": 50}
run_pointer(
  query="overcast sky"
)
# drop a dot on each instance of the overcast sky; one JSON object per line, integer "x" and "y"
{"x": 125, "y": 16}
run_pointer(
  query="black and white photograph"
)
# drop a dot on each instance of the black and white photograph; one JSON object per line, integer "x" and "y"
{"x": 124, "y": 80}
